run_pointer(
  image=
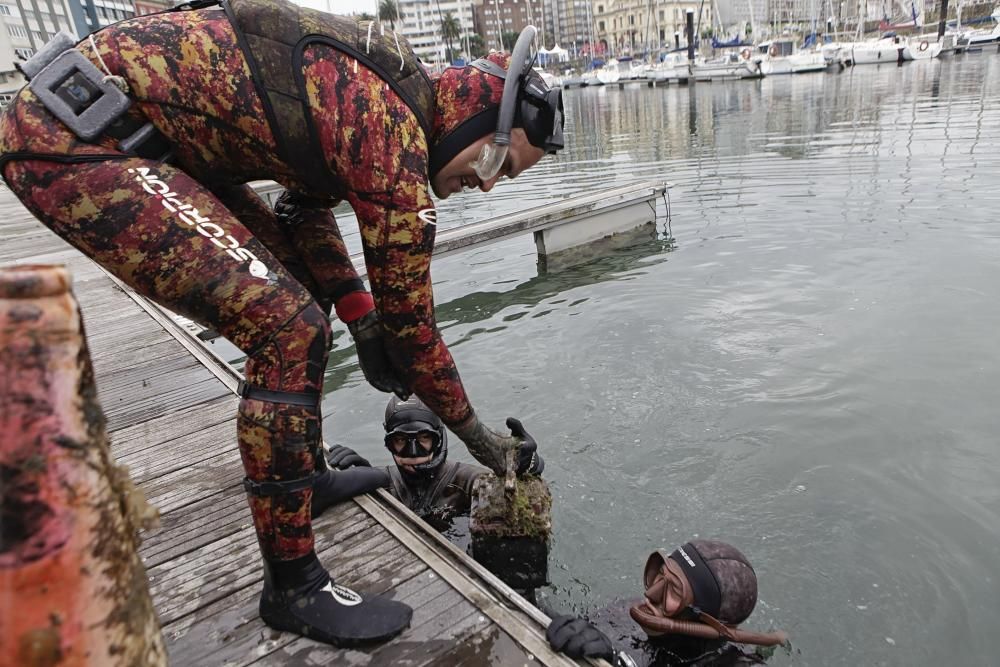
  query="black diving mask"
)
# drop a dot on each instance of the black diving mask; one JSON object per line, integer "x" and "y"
{"x": 414, "y": 444}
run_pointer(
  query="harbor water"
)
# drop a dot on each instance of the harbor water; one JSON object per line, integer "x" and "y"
{"x": 810, "y": 370}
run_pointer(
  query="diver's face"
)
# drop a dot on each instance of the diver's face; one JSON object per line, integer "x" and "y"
{"x": 397, "y": 443}
{"x": 458, "y": 174}
{"x": 670, "y": 592}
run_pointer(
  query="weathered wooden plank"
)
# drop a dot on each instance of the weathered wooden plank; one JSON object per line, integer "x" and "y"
{"x": 131, "y": 348}
{"x": 225, "y": 557}
{"x": 191, "y": 580}
{"x": 430, "y": 642}
{"x": 195, "y": 526}
{"x": 219, "y": 474}
{"x": 184, "y": 452}
{"x": 433, "y": 629}
{"x": 163, "y": 429}
{"x": 489, "y": 646}
{"x": 200, "y": 524}
{"x": 122, "y": 412}
{"x": 171, "y": 368}
{"x": 230, "y": 631}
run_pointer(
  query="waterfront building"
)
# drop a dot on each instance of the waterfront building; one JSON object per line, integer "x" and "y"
{"x": 738, "y": 14}
{"x": 143, "y": 7}
{"x": 91, "y": 15}
{"x": 632, "y": 27}
{"x": 568, "y": 24}
{"x": 420, "y": 23}
{"x": 27, "y": 25}
{"x": 496, "y": 18}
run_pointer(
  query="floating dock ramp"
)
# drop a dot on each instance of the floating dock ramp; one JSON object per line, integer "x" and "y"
{"x": 559, "y": 227}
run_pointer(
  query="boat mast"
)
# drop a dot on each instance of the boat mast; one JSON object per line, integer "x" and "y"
{"x": 695, "y": 37}
{"x": 496, "y": 8}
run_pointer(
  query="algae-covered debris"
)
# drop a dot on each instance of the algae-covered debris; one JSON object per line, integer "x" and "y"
{"x": 525, "y": 513}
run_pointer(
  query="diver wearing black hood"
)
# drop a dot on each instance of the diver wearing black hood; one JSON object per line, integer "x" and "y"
{"x": 422, "y": 478}
{"x": 695, "y": 598}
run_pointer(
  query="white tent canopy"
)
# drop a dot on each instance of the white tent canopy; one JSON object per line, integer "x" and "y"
{"x": 555, "y": 54}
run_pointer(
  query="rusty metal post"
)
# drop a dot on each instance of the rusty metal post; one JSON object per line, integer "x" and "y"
{"x": 73, "y": 590}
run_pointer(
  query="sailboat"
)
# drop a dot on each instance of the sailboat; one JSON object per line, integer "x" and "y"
{"x": 782, "y": 56}
{"x": 979, "y": 38}
{"x": 673, "y": 66}
{"x": 732, "y": 63}
{"x": 886, "y": 49}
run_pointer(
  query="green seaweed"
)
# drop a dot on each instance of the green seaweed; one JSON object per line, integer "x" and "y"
{"x": 527, "y": 513}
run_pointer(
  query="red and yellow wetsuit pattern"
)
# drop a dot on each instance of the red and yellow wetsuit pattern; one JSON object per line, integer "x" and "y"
{"x": 192, "y": 236}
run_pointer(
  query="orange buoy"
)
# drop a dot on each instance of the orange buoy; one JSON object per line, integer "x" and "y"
{"x": 73, "y": 590}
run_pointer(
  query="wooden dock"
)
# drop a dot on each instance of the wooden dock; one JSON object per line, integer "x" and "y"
{"x": 171, "y": 411}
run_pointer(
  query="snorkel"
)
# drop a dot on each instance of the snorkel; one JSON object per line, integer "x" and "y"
{"x": 492, "y": 155}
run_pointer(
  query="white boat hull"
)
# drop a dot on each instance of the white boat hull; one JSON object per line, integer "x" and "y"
{"x": 874, "y": 53}
{"x": 983, "y": 38}
{"x": 724, "y": 71}
{"x": 921, "y": 49}
{"x": 661, "y": 74}
{"x": 798, "y": 63}
{"x": 608, "y": 76}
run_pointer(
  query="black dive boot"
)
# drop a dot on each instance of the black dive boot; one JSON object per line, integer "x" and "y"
{"x": 299, "y": 596}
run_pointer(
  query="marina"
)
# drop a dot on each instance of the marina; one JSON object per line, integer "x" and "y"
{"x": 786, "y": 51}
{"x": 758, "y": 307}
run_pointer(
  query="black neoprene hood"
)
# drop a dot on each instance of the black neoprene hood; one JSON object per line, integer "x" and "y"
{"x": 707, "y": 594}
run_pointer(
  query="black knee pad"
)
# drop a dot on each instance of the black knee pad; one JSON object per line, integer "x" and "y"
{"x": 303, "y": 338}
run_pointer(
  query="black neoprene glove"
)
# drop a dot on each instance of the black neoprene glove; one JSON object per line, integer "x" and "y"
{"x": 491, "y": 448}
{"x": 578, "y": 638}
{"x": 342, "y": 458}
{"x": 529, "y": 461}
{"x": 370, "y": 344}
{"x": 335, "y": 486}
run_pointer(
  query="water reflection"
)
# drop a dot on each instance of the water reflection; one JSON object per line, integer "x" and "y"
{"x": 512, "y": 303}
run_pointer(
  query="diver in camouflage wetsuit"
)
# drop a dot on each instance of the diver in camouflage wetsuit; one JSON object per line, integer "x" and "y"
{"x": 185, "y": 230}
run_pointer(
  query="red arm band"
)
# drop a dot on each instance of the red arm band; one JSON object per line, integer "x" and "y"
{"x": 353, "y": 306}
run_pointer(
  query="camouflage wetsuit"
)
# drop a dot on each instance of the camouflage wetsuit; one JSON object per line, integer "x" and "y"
{"x": 193, "y": 237}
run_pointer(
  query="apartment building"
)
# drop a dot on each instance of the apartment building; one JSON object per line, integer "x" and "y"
{"x": 421, "y": 25}
{"x": 494, "y": 18}
{"x": 91, "y": 15}
{"x": 27, "y": 25}
{"x": 568, "y": 24}
{"x": 629, "y": 27}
